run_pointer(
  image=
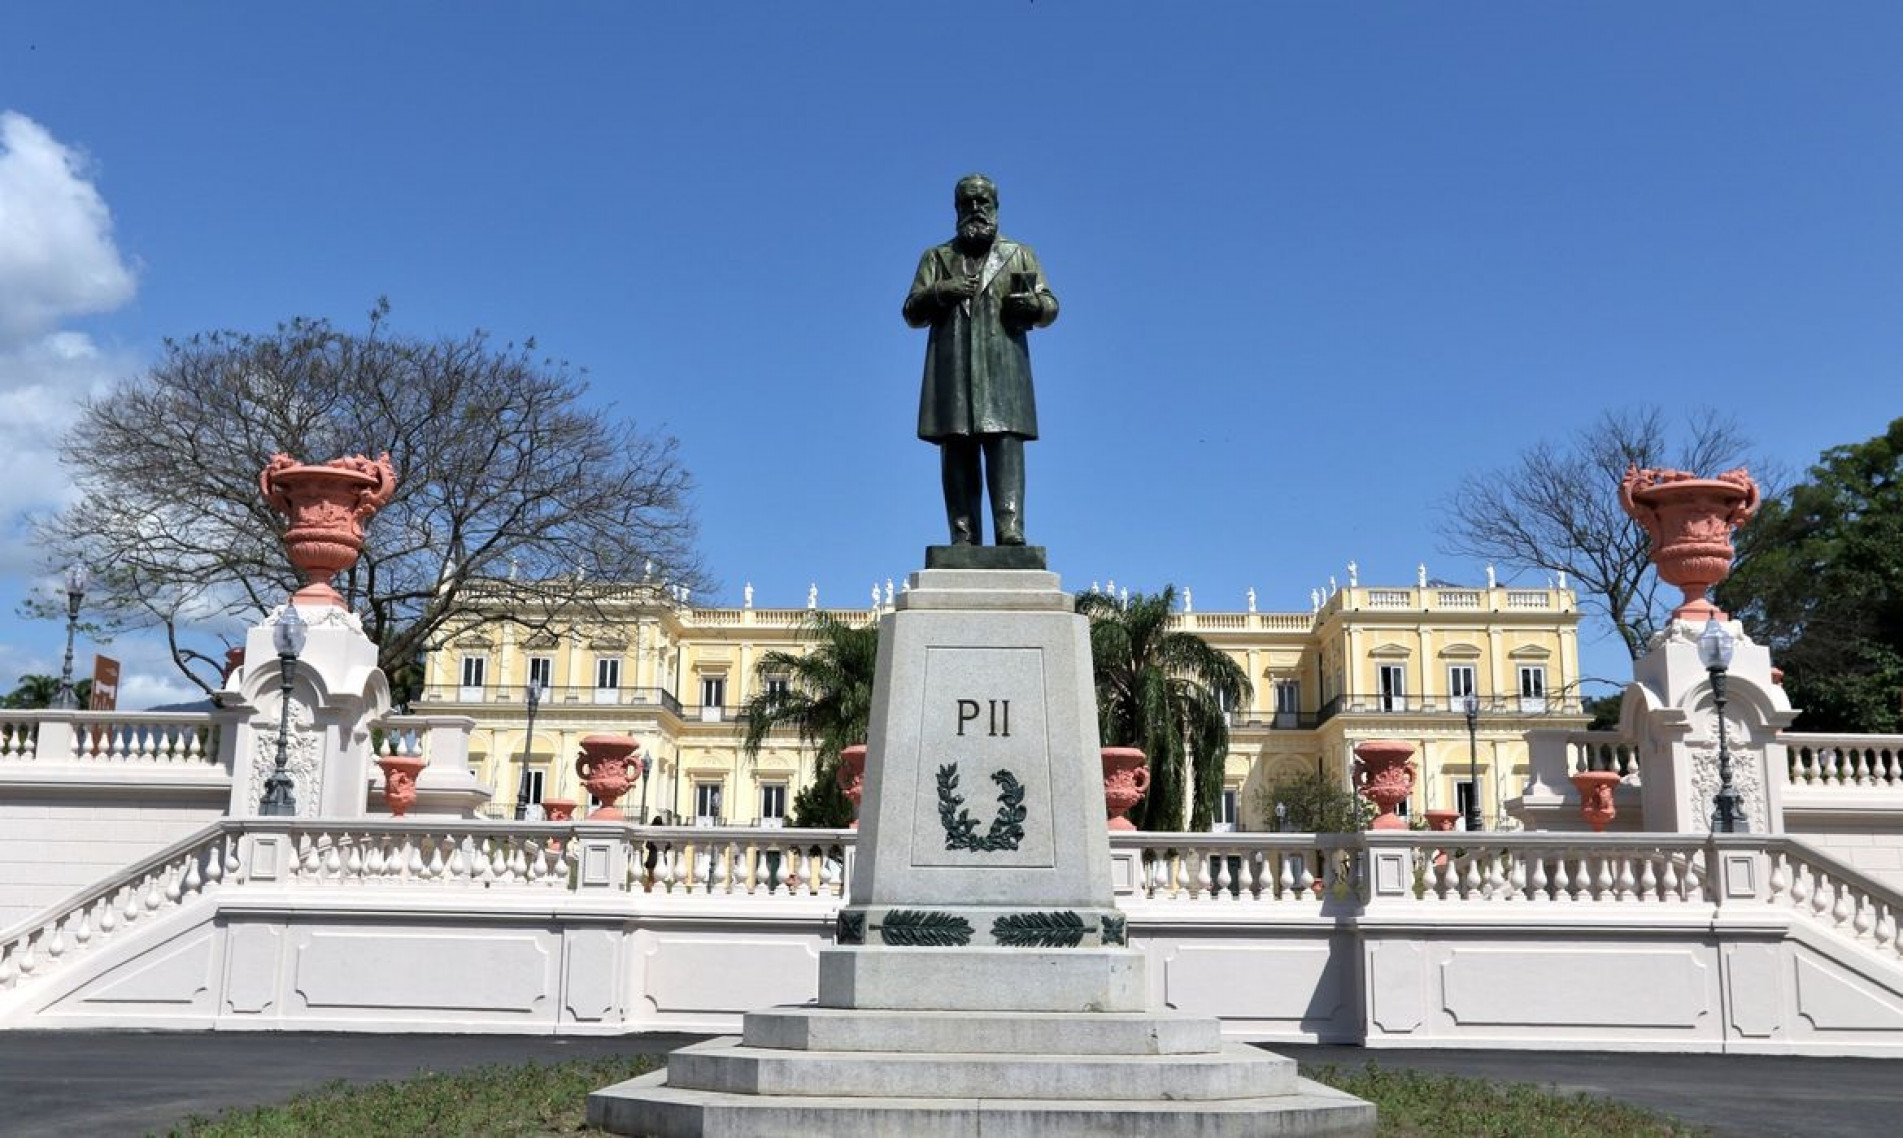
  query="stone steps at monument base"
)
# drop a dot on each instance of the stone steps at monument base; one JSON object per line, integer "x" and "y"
{"x": 649, "y": 1106}
{"x": 984, "y": 978}
{"x": 1002, "y": 1033}
{"x": 726, "y": 1065}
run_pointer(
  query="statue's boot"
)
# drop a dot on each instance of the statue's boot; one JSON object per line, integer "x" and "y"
{"x": 964, "y": 489}
{"x": 1004, "y": 476}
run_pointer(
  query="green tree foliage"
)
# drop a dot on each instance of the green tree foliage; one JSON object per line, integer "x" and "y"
{"x": 1163, "y": 691}
{"x": 1820, "y": 580}
{"x": 1317, "y": 804}
{"x": 37, "y": 691}
{"x": 828, "y": 701}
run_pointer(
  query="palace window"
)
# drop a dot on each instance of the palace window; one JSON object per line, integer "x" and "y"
{"x": 776, "y": 688}
{"x": 713, "y": 696}
{"x": 541, "y": 672}
{"x": 607, "y": 679}
{"x": 772, "y": 803}
{"x": 473, "y": 670}
{"x": 1393, "y": 687}
{"x": 706, "y": 802}
{"x": 1532, "y": 688}
{"x": 1460, "y": 685}
{"x": 529, "y": 787}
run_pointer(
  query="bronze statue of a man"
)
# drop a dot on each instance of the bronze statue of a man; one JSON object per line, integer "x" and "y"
{"x": 979, "y": 294}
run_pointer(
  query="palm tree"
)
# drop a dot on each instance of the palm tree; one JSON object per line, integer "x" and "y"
{"x": 1164, "y": 692}
{"x": 827, "y": 698}
{"x": 40, "y": 691}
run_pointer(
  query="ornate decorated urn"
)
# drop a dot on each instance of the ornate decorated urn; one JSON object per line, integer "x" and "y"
{"x": 399, "y": 782}
{"x": 609, "y": 770}
{"x": 1126, "y": 779}
{"x": 1595, "y": 797}
{"x": 1442, "y": 820}
{"x": 1385, "y": 776}
{"x": 327, "y": 506}
{"x": 1690, "y": 520}
{"x": 558, "y": 809}
{"x": 852, "y": 776}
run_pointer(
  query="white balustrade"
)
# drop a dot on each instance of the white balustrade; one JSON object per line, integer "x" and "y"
{"x": 147, "y": 738}
{"x": 1855, "y": 761}
{"x": 166, "y": 880}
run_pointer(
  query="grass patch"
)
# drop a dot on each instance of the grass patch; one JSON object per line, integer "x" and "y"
{"x": 1419, "y": 1104}
{"x": 495, "y": 1100}
{"x": 542, "y": 1099}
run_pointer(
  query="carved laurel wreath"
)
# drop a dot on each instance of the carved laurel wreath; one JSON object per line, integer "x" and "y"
{"x": 961, "y": 829}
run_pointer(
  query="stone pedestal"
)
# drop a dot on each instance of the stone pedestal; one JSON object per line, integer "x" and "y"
{"x": 337, "y": 690}
{"x": 1668, "y": 710}
{"x": 980, "y": 981}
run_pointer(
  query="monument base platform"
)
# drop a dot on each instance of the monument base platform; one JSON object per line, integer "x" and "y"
{"x": 969, "y": 1074}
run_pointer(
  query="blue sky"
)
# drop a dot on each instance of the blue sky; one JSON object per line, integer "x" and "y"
{"x": 1316, "y": 261}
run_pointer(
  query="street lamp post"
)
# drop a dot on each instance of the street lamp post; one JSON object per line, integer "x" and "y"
{"x": 1714, "y": 652}
{"x": 66, "y": 698}
{"x": 647, "y": 764}
{"x": 288, "y": 638}
{"x": 534, "y": 694}
{"x": 1473, "y": 761}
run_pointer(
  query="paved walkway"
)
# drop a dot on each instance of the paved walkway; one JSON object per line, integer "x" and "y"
{"x": 112, "y": 1083}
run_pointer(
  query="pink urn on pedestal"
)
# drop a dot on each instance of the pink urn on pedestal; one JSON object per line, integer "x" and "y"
{"x": 1689, "y": 520}
{"x": 327, "y": 505}
{"x": 1126, "y": 779}
{"x": 399, "y": 782}
{"x": 558, "y": 809}
{"x": 1385, "y": 776}
{"x": 851, "y": 777}
{"x": 1442, "y": 821}
{"x": 1595, "y": 797}
{"x": 609, "y": 770}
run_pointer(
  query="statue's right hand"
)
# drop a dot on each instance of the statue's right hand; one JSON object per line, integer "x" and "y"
{"x": 954, "y": 289}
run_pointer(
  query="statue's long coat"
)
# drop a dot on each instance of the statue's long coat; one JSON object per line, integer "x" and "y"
{"x": 977, "y": 367}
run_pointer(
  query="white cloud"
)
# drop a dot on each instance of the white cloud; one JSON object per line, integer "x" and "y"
{"x": 57, "y": 257}
{"x": 57, "y": 261}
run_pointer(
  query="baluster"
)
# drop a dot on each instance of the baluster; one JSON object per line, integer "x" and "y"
{"x": 669, "y": 865}
{"x": 8, "y": 970}
{"x": 1469, "y": 874}
{"x": 833, "y": 874}
{"x": 1517, "y": 877}
{"x": 1251, "y": 874}
{"x": 1496, "y": 879}
{"x": 1624, "y": 887}
{"x": 1866, "y": 918}
{"x": 1563, "y": 879}
{"x": 353, "y": 860}
{"x": 1648, "y": 876}
{"x": 1883, "y": 930}
{"x": 108, "y": 915}
{"x": 1845, "y": 907}
{"x": 1539, "y": 882}
{"x": 722, "y": 867}
{"x": 1222, "y": 878}
{"x": 1825, "y": 895}
{"x": 1601, "y": 877}
{"x": 29, "y": 963}
{"x": 154, "y": 899}
{"x": 1304, "y": 878}
{"x": 790, "y": 862}
{"x": 56, "y": 943}
{"x": 1285, "y": 883}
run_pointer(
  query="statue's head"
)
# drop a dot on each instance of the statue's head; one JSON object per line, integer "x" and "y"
{"x": 976, "y": 200}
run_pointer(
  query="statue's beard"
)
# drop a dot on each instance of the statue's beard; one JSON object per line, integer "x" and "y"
{"x": 977, "y": 232}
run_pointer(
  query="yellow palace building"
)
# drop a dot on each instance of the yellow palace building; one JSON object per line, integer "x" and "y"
{"x": 1365, "y": 663}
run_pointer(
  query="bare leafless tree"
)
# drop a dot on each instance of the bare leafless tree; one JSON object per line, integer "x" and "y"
{"x": 514, "y": 495}
{"x": 1556, "y": 508}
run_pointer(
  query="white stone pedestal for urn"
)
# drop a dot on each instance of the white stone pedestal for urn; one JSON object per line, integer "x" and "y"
{"x": 981, "y": 981}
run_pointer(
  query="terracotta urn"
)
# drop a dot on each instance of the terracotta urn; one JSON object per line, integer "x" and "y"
{"x": 558, "y": 809}
{"x": 1126, "y": 779}
{"x": 327, "y": 505}
{"x": 399, "y": 782}
{"x": 852, "y": 776}
{"x": 609, "y": 769}
{"x": 1595, "y": 797}
{"x": 1385, "y": 776}
{"x": 1689, "y": 521}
